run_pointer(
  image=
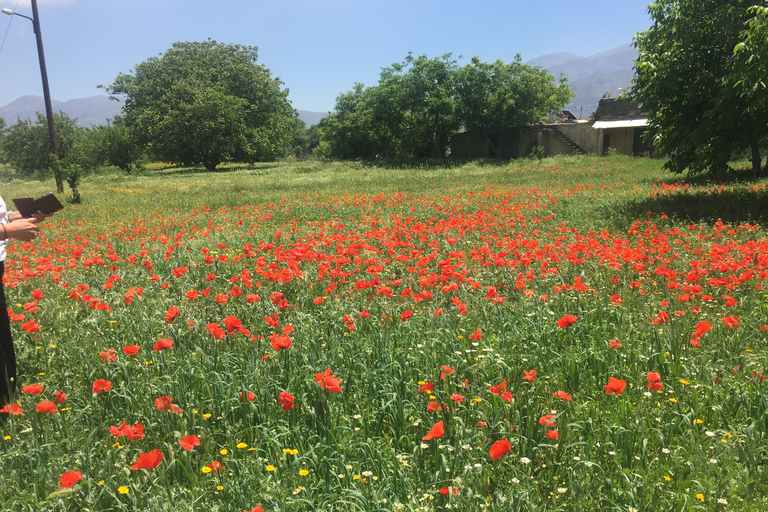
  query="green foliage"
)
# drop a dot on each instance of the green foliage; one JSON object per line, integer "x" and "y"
{"x": 115, "y": 144}
{"x": 497, "y": 96}
{"x": 420, "y": 103}
{"x": 305, "y": 140}
{"x": 207, "y": 102}
{"x": 26, "y": 146}
{"x": 704, "y": 101}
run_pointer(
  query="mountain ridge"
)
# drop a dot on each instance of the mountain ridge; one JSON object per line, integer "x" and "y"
{"x": 589, "y": 77}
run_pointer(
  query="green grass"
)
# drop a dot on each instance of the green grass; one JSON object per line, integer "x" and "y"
{"x": 556, "y": 237}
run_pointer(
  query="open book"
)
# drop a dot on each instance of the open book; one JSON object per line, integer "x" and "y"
{"x": 47, "y": 203}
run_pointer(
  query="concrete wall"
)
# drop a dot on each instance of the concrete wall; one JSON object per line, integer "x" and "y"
{"x": 582, "y": 134}
{"x": 469, "y": 145}
{"x": 552, "y": 146}
{"x": 621, "y": 139}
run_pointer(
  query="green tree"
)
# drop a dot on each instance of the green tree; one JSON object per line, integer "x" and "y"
{"x": 701, "y": 106}
{"x": 207, "y": 102}
{"x": 353, "y": 131}
{"x": 493, "y": 97}
{"x": 305, "y": 140}
{"x": 748, "y": 76}
{"x": 26, "y": 146}
{"x": 417, "y": 104}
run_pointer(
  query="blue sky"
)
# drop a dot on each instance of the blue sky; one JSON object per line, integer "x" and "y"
{"x": 318, "y": 48}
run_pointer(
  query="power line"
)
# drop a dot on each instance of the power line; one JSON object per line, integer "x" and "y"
{"x": 8, "y": 29}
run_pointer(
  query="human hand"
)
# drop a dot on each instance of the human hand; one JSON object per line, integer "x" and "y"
{"x": 38, "y": 216}
{"x": 22, "y": 229}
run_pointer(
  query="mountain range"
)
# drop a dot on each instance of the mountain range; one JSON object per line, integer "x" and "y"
{"x": 593, "y": 76}
{"x": 589, "y": 77}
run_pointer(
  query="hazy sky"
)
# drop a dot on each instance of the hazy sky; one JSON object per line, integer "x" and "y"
{"x": 318, "y": 48}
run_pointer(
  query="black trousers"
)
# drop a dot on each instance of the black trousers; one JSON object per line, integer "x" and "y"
{"x": 7, "y": 353}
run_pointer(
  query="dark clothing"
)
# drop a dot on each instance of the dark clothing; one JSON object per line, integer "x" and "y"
{"x": 7, "y": 353}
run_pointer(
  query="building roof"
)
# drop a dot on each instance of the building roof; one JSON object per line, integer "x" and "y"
{"x": 624, "y": 123}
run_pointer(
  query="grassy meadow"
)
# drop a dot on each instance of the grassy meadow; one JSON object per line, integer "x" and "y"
{"x": 574, "y": 334}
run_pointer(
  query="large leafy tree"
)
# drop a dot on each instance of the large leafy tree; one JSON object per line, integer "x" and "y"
{"x": 493, "y": 97}
{"x": 420, "y": 103}
{"x": 207, "y": 102}
{"x": 702, "y": 103}
{"x": 26, "y": 145}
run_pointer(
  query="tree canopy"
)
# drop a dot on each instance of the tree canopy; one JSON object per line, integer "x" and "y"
{"x": 701, "y": 81}
{"x": 207, "y": 102}
{"x": 421, "y": 102}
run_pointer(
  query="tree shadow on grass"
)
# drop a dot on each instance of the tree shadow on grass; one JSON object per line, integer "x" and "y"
{"x": 199, "y": 169}
{"x": 734, "y": 198}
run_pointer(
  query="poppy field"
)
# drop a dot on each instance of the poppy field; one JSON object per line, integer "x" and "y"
{"x": 578, "y": 333}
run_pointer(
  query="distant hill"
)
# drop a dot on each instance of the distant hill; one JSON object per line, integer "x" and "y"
{"x": 311, "y": 118}
{"x": 94, "y": 110}
{"x": 589, "y": 77}
{"x": 593, "y": 76}
{"x": 90, "y": 111}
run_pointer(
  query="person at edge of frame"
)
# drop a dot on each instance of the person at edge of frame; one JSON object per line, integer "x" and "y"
{"x": 12, "y": 225}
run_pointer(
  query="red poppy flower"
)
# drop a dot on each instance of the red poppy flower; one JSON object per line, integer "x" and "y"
{"x": 654, "y": 381}
{"x": 547, "y": 420}
{"x": 476, "y": 336}
{"x": 131, "y": 350}
{"x": 499, "y": 449}
{"x": 286, "y": 400}
{"x": 405, "y": 315}
{"x": 280, "y": 341}
{"x": 434, "y": 406}
{"x": 328, "y": 381}
{"x": 133, "y": 432}
{"x": 30, "y": 307}
{"x": 701, "y": 329}
{"x": 562, "y": 395}
{"x": 108, "y": 356}
{"x": 445, "y": 491}
{"x": 616, "y": 300}
{"x": 457, "y": 398}
{"x": 530, "y": 375}
{"x": 172, "y": 314}
{"x": 189, "y": 442}
{"x": 148, "y": 460}
{"x": 215, "y": 466}
{"x": 732, "y": 322}
{"x": 614, "y": 344}
{"x": 60, "y": 397}
{"x": 615, "y": 386}
{"x": 436, "y": 432}
{"x": 101, "y": 385}
{"x": 429, "y": 387}
{"x": 163, "y": 344}
{"x": 249, "y": 397}
{"x": 553, "y": 434}
{"x": 165, "y": 403}
{"x": 14, "y": 409}
{"x": 30, "y": 326}
{"x": 255, "y": 509}
{"x": 567, "y": 321}
{"x": 46, "y": 407}
{"x": 69, "y": 479}
{"x": 32, "y": 389}
{"x": 37, "y": 294}
{"x": 445, "y": 371}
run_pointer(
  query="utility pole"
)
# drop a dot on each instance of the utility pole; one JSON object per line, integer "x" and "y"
{"x": 46, "y": 93}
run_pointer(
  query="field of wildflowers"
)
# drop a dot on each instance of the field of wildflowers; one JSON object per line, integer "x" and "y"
{"x": 573, "y": 334}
